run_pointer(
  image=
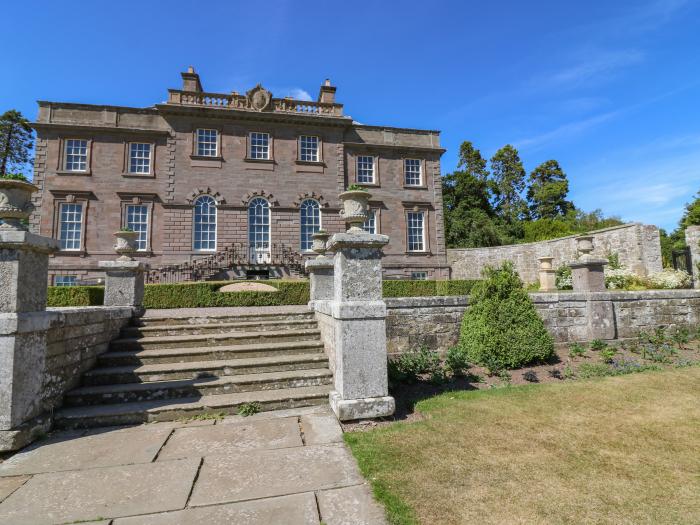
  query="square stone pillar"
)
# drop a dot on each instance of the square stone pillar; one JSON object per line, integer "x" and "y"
{"x": 320, "y": 279}
{"x": 587, "y": 274}
{"x": 24, "y": 322}
{"x": 547, "y": 274}
{"x": 359, "y": 316}
{"x": 124, "y": 282}
{"x": 692, "y": 239}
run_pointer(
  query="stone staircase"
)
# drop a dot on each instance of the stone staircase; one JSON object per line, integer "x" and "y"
{"x": 164, "y": 368}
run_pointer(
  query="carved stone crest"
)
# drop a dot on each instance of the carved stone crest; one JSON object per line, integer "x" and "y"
{"x": 259, "y": 98}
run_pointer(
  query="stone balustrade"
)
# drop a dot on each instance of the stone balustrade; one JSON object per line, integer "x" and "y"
{"x": 238, "y": 101}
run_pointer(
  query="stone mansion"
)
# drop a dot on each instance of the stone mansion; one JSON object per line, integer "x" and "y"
{"x": 239, "y": 180}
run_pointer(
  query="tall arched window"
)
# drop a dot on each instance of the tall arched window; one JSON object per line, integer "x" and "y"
{"x": 310, "y": 213}
{"x": 259, "y": 230}
{"x": 204, "y": 238}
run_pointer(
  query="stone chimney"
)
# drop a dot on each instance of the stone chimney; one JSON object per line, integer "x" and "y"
{"x": 190, "y": 81}
{"x": 327, "y": 93}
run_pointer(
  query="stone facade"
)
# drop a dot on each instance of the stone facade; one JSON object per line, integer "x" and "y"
{"x": 638, "y": 246}
{"x": 435, "y": 321}
{"x": 177, "y": 175}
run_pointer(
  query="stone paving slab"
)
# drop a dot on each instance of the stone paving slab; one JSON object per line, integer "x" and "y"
{"x": 99, "y": 493}
{"x": 266, "y": 473}
{"x": 321, "y": 428}
{"x": 298, "y": 509}
{"x": 232, "y": 438}
{"x": 100, "y": 448}
{"x": 9, "y": 485}
{"x": 350, "y": 506}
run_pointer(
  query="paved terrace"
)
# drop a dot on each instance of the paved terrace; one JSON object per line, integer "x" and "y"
{"x": 288, "y": 467}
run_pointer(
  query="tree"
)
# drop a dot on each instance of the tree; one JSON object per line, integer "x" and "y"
{"x": 16, "y": 141}
{"x": 547, "y": 191}
{"x": 469, "y": 216}
{"x": 501, "y": 328}
{"x": 508, "y": 177}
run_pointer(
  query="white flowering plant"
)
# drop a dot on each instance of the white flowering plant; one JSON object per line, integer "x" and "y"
{"x": 669, "y": 279}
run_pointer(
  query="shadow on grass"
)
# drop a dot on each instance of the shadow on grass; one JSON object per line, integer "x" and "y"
{"x": 407, "y": 395}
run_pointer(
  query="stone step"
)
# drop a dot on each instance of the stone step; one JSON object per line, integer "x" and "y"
{"x": 229, "y": 338}
{"x": 166, "y": 319}
{"x": 167, "y": 410}
{"x": 199, "y": 369}
{"x": 195, "y": 388}
{"x": 207, "y": 353}
{"x": 216, "y": 327}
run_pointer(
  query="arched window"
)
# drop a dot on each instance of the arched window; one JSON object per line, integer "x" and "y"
{"x": 204, "y": 224}
{"x": 310, "y": 213}
{"x": 259, "y": 230}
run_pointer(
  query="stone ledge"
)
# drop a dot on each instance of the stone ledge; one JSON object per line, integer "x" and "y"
{"x": 356, "y": 240}
{"x": 22, "y": 240}
{"x": 416, "y": 302}
{"x": 23, "y": 435}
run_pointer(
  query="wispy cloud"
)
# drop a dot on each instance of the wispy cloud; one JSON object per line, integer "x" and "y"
{"x": 299, "y": 94}
{"x": 565, "y": 131}
{"x": 594, "y": 67}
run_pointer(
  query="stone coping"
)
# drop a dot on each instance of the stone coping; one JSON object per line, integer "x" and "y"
{"x": 414, "y": 302}
{"x": 24, "y": 322}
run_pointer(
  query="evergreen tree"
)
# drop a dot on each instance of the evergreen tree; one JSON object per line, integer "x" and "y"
{"x": 547, "y": 191}
{"x": 469, "y": 217}
{"x": 16, "y": 141}
{"x": 508, "y": 177}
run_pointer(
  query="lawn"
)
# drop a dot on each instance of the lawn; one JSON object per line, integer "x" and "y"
{"x": 611, "y": 450}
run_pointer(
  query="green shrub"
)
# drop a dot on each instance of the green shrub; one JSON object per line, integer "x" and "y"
{"x": 456, "y": 361}
{"x": 502, "y": 329}
{"x": 75, "y": 296}
{"x": 204, "y": 294}
{"x": 577, "y": 350}
{"x": 416, "y": 362}
{"x": 608, "y": 354}
{"x": 597, "y": 345}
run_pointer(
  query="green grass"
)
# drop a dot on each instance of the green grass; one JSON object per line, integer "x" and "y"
{"x": 617, "y": 449}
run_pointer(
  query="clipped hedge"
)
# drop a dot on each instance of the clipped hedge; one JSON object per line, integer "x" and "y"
{"x": 75, "y": 296}
{"x": 424, "y": 288}
{"x": 203, "y": 294}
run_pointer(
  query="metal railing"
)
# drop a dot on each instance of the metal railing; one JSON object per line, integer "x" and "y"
{"x": 235, "y": 255}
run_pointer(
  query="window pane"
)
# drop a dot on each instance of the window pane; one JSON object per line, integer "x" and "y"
{"x": 205, "y": 224}
{"x": 365, "y": 169}
{"x": 64, "y": 280}
{"x": 76, "y": 155}
{"x": 207, "y": 143}
{"x": 370, "y": 225}
{"x": 137, "y": 220}
{"x": 416, "y": 231}
{"x": 412, "y": 172}
{"x": 139, "y": 158}
{"x": 308, "y": 148}
{"x": 419, "y": 276}
{"x": 310, "y": 222}
{"x": 259, "y": 145}
{"x": 70, "y": 226}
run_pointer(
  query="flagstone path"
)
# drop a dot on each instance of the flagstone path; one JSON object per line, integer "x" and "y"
{"x": 287, "y": 467}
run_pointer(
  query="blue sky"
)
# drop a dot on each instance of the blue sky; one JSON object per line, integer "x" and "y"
{"x": 609, "y": 89}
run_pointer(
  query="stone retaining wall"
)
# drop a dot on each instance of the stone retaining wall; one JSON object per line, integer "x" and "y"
{"x": 74, "y": 340}
{"x": 638, "y": 246}
{"x": 435, "y": 321}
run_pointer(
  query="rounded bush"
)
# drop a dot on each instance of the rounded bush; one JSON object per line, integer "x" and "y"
{"x": 501, "y": 328}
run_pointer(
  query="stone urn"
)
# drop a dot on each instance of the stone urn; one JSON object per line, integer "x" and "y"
{"x": 545, "y": 263}
{"x": 319, "y": 242}
{"x": 355, "y": 209}
{"x": 15, "y": 203}
{"x": 584, "y": 246}
{"x": 125, "y": 244}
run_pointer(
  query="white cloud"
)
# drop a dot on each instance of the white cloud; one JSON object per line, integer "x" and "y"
{"x": 299, "y": 94}
{"x": 595, "y": 66}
